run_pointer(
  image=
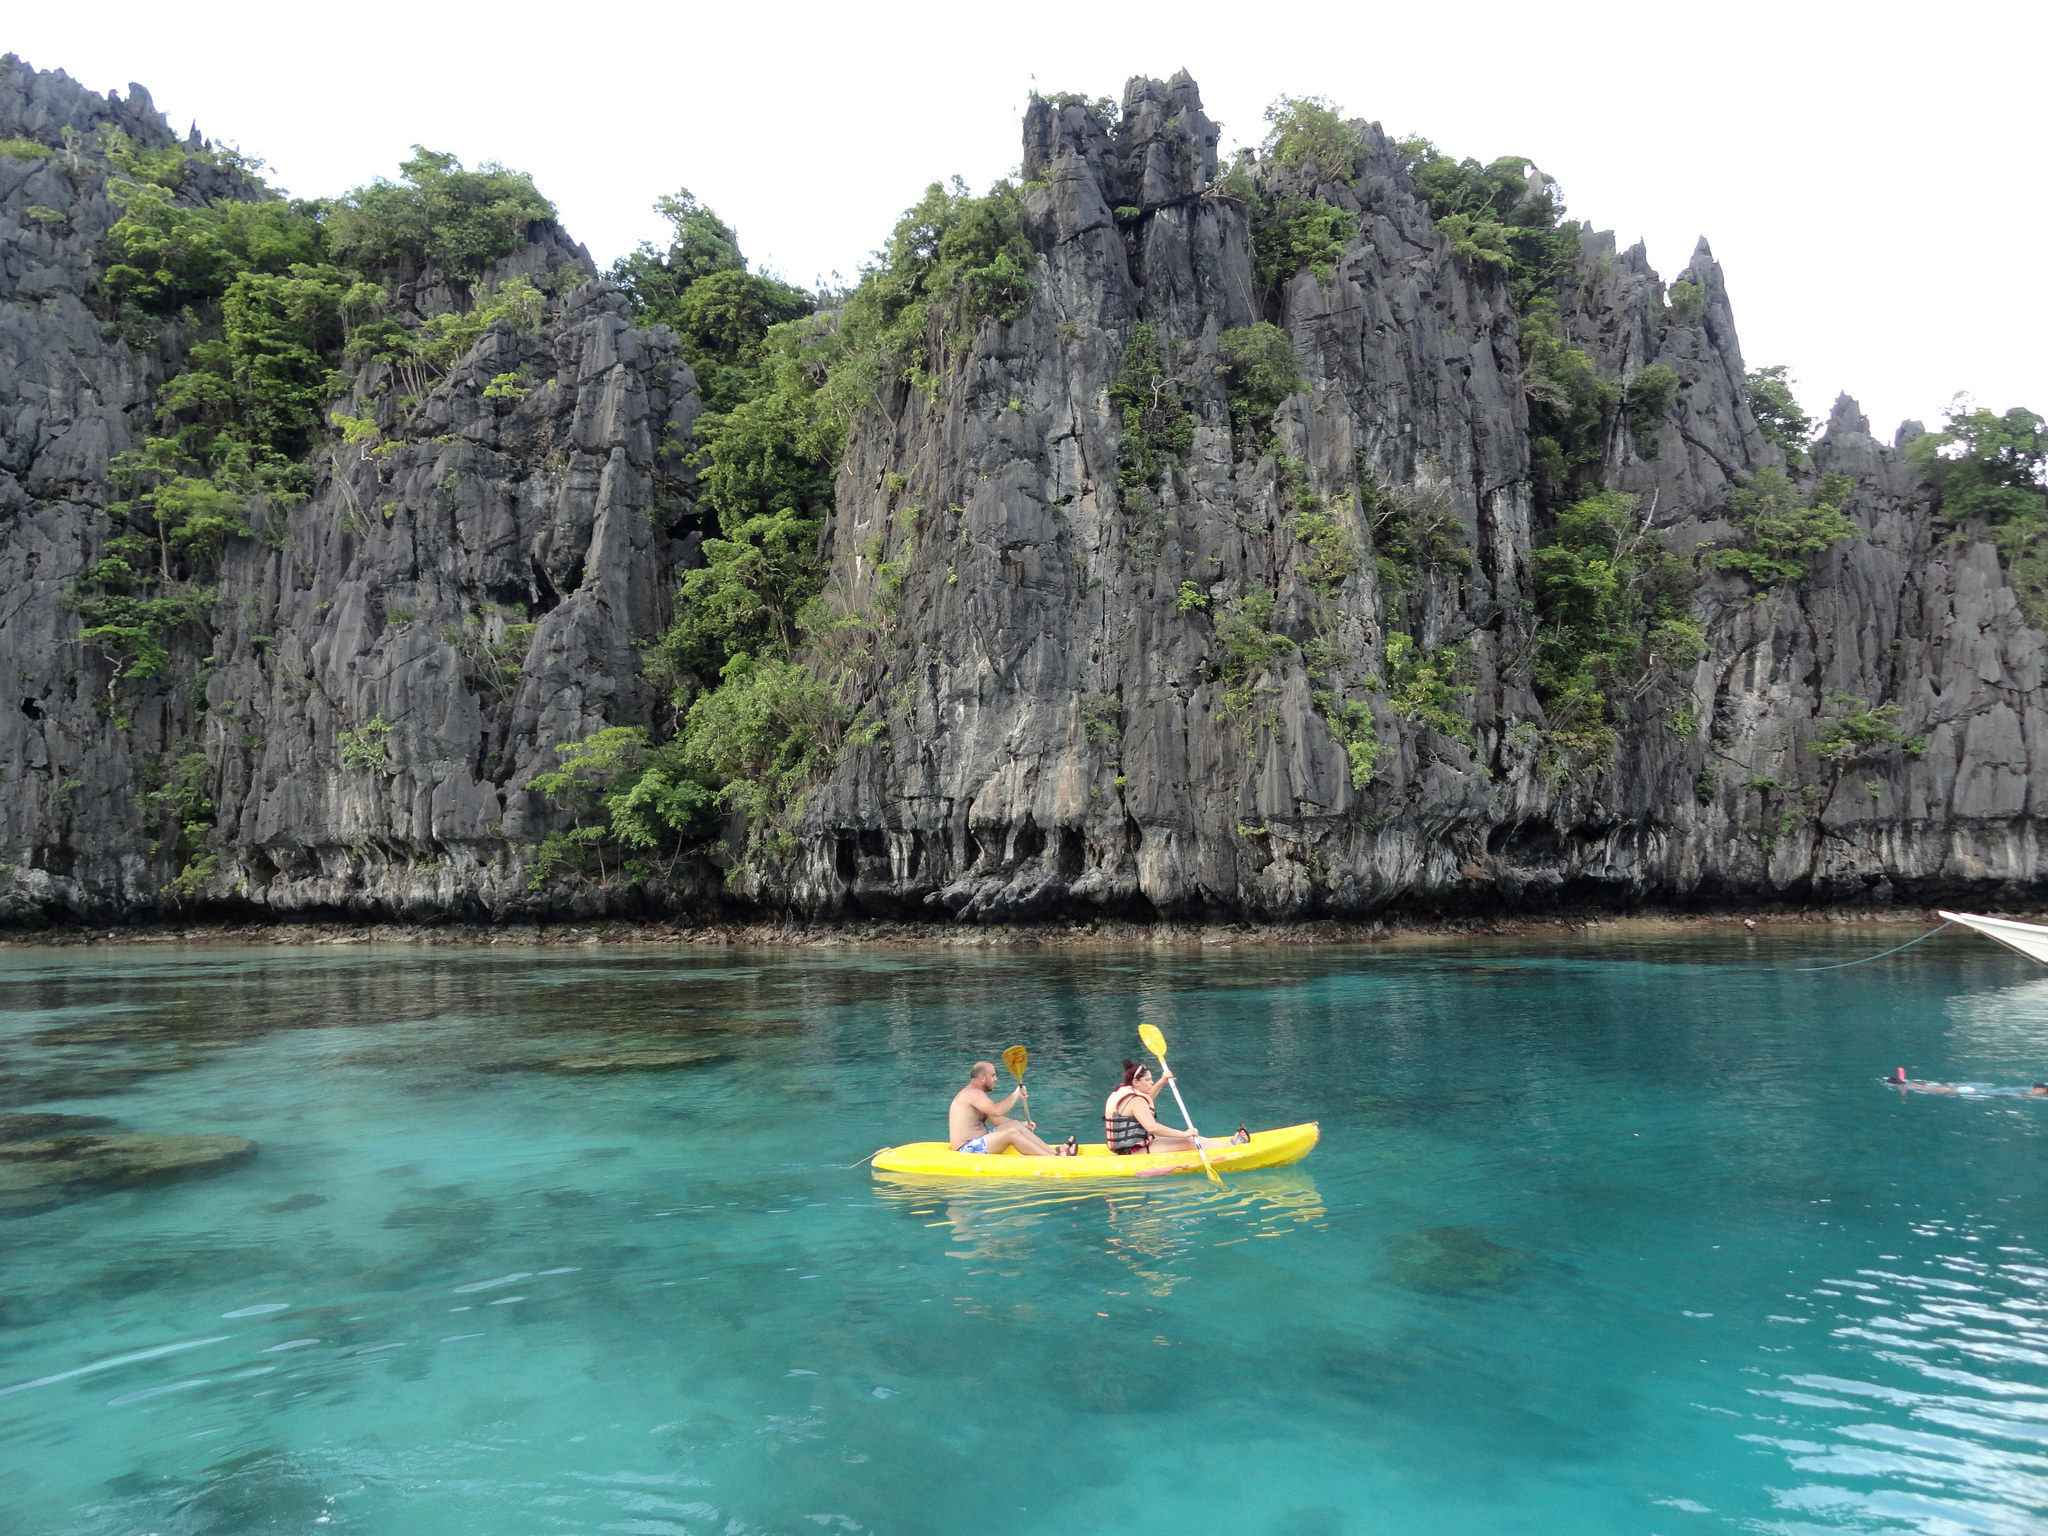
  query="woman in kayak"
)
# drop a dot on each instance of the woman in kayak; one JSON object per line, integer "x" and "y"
{"x": 1129, "y": 1124}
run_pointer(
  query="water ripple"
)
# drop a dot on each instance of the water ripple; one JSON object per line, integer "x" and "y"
{"x": 1969, "y": 1454}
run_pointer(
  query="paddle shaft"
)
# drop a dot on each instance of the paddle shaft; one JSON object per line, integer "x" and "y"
{"x": 1016, "y": 1059}
{"x": 1174, "y": 1083}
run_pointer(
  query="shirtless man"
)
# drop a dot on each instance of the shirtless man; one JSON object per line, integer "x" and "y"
{"x": 977, "y": 1123}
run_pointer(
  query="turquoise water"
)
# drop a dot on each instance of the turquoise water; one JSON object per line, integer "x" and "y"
{"x": 1601, "y": 1237}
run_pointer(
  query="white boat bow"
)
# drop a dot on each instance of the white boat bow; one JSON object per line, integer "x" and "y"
{"x": 2030, "y": 939}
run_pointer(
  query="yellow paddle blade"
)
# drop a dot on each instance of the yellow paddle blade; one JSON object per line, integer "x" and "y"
{"x": 1016, "y": 1058}
{"x": 1155, "y": 1042}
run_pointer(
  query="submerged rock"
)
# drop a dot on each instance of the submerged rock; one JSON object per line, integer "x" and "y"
{"x": 35, "y": 1175}
{"x": 1314, "y": 1520}
{"x": 19, "y": 1127}
{"x": 86, "y": 1082}
{"x": 610, "y": 1061}
{"x": 1445, "y": 1260}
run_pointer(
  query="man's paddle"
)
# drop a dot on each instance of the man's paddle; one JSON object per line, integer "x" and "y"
{"x": 1155, "y": 1042}
{"x": 1016, "y": 1058}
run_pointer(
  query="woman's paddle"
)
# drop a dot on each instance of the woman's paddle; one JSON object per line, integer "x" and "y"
{"x": 1155, "y": 1042}
{"x": 1016, "y": 1058}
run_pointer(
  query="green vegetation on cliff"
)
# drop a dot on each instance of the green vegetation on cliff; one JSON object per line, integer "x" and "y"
{"x": 1504, "y": 215}
{"x": 1297, "y": 233}
{"x": 1298, "y": 230}
{"x": 1612, "y": 608}
{"x": 700, "y": 243}
{"x": 1309, "y": 132}
{"x": 1777, "y": 413}
{"x": 701, "y": 289}
{"x": 623, "y": 798}
{"x": 757, "y": 662}
{"x": 1508, "y": 217}
{"x": 1570, "y": 404}
{"x": 273, "y": 299}
{"x": 299, "y": 275}
{"x": 1259, "y": 371}
{"x": 1985, "y": 465}
{"x": 1157, "y": 424}
{"x": 1993, "y": 469}
{"x": 1423, "y": 686}
{"x": 1783, "y": 528}
{"x": 953, "y": 261}
{"x": 1416, "y": 530}
{"x": 437, "y": 214}
{"x": 1645, "y": 399}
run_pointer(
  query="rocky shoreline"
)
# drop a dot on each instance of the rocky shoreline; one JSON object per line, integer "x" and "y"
{"x": 797, "y": 934}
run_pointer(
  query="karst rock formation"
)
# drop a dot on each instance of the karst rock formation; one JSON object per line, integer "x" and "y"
{"x": 1054, "y": 735}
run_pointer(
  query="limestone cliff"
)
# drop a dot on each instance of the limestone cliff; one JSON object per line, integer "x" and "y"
{"x": 455, "y": 603}
{"x": 994, "y": 798}
{"x": 1060, "y": 726}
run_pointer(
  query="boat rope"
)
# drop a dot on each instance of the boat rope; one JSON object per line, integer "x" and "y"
{"x": 1930, "y": 933}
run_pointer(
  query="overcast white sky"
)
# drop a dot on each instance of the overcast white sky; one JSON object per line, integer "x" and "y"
{"x": 1869, "y": 175}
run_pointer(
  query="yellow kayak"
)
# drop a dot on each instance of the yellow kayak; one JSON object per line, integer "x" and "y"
{"x": 1266, "y": 1149}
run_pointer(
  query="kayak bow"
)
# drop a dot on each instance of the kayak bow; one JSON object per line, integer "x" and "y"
{"x": 1266, "y": 1149}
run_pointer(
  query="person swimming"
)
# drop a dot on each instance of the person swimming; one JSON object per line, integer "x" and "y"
{"x": 1899, "y": 1080}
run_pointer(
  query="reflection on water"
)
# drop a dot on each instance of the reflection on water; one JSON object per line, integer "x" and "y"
{"x": 1599, "y": 1238}
{"x": 2007, "y": 1025}
{"x": 1146, "y": 1226}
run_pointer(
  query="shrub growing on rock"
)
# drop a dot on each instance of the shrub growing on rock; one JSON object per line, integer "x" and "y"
{"x": 438, "y": 213}
{"x": 1611, "y": 604}
{"x": 1157, "y": 424}
{"x": 1309, "y": 131}
{"x": 1259, "y": 372}
{"x": 1777, "y": 413}
{"x": 1983, "y": 465}
{"x": 1783, "y": 530}
{"x": 1645, "y": 399}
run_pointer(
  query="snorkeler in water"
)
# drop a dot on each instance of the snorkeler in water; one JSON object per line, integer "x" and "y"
{"x": 1966, "y": 1090}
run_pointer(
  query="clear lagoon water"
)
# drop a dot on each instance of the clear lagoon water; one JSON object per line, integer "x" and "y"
{"x": 1603, "y": 1236}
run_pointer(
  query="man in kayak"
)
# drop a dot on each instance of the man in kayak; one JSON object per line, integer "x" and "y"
{"x": 977, "y": 1123}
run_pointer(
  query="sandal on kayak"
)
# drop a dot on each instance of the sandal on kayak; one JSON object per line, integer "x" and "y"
{"x": 1242, "y": 1135}
{"x": 1071, "y": 1149}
